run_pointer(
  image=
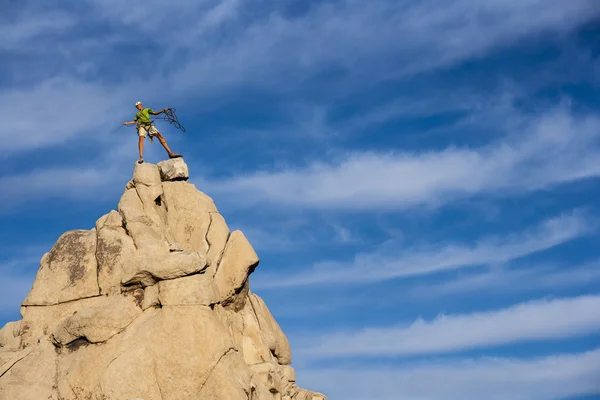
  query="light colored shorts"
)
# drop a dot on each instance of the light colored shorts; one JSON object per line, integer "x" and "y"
{"x": 150, "y": 129}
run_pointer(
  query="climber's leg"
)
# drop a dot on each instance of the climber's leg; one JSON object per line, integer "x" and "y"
{"x": 142, "y": 136}
{"x": 162, "y": 141}
{"x": 141, "y": 148}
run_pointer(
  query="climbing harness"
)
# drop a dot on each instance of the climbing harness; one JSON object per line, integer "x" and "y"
{"x": 168, "y": 115}
{"x": 146, "y": 126}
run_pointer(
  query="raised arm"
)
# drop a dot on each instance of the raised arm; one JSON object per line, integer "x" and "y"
{"x": 160, "y": 111}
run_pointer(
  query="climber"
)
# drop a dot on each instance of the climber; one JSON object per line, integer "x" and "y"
{"x": 145, "y": 125}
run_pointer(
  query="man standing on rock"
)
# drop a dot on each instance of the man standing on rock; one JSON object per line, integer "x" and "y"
{"x": 145, "y": 126}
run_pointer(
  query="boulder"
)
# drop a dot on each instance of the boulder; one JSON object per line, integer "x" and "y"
{"x": 146, "y": 174}
{"x": 190, "y": 290}
{"x": 147, "y": 269}
{"x": 98, "y": 323}
{"x": 40, "y": 321}
{"x": 271, "y": 332}
{"x": 254, "y": 348}
{"x": 174, "y": 169}
{"x": 68, "y": 272}
{"x": 289, "y": 373}
{"x": 189, "y": 229}
{"x": 185, "y": 196}
{"x": 111, "y": 220}
{"x": 189, "y": 215}
{"x": 237, "y": 263}
{"x": 147, "y": 233}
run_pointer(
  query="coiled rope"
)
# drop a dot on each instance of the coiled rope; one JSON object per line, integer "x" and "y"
{"x": 170, "y": 117}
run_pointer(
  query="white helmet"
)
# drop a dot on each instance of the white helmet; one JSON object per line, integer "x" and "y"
{"x": 138, "y": 102}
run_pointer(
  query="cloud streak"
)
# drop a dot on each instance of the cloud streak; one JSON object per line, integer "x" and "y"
{"x": 65, "y": 183}
{"x": 202, "y": 44}
{"x": 531, "y": 321}
{"x": 514, "y": 280}
{"x": 401, "y": 263}
{"x": 553, "y": 149}
{"x": 549, "y": 378}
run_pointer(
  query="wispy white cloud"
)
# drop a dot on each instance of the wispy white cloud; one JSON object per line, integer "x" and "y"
{"x": 221, "y": 46}
{"x": 293, "y": 233}
{"x": 363, "y": 41}
{"x": 57, "y": 110}
{"x": 531, "y": 321}
{"x": 554, "y": 148}
{"x": 102, "y": 177}
{"x": 27, "y": 28}
{"x": 64, "y": 183}
{"x": 546, "y": 378}
{"x": 392, "y": 262}
{"x": 513, "y": 280}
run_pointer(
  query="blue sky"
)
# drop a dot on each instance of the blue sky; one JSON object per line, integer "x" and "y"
{"x": 419, "y": 179}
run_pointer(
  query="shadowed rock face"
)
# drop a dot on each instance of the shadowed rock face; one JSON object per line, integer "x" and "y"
{"x": 153, "y": 303}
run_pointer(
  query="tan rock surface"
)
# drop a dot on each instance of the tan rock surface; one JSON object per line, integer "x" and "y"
{"x": 189, "y": 215}
{"x": 256, "y": 351}
{"x": 41, "y": 321}
{"x": 271, "y": 332}
{"x": 185, "y": 196}
{"x": 148, "y": 269}
{"x": 146, "y": 174}
{"x": 115, "y": 249}
{"x": 173, "y": 170}
{"x": 189, "y": 229}
{"x": 238, "y": 261}
{"x": 150, "y": 297}
{"x": 68, "y": 272}
{"x": 9, "y": 335}
{"x": 111, "y": 220}
{"x": 98, "y": 323}
{"x": 190, "y": 290}
{"x": 229, "y": 379}
{"x": 153, "y": 303}
{"x": 217, "y": 236}
{"x": 30, "y": 374}
{"x": 120, "y": 368}
{"x": 147, "y": 234}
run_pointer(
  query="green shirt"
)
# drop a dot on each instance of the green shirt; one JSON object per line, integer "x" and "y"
{"x": 143, "y": 115}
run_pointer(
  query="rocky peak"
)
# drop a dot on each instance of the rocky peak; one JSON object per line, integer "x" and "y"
{"x": 152, "y": 303}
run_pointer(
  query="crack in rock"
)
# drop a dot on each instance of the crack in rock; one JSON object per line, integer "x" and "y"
{"x": 9, "y": 364}
{"x": 215, "y": 366}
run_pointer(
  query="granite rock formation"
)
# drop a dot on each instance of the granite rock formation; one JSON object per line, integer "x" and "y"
{"x": 152, "y": 303}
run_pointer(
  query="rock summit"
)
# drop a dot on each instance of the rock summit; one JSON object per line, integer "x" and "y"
{"x": 153, "y": 303}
